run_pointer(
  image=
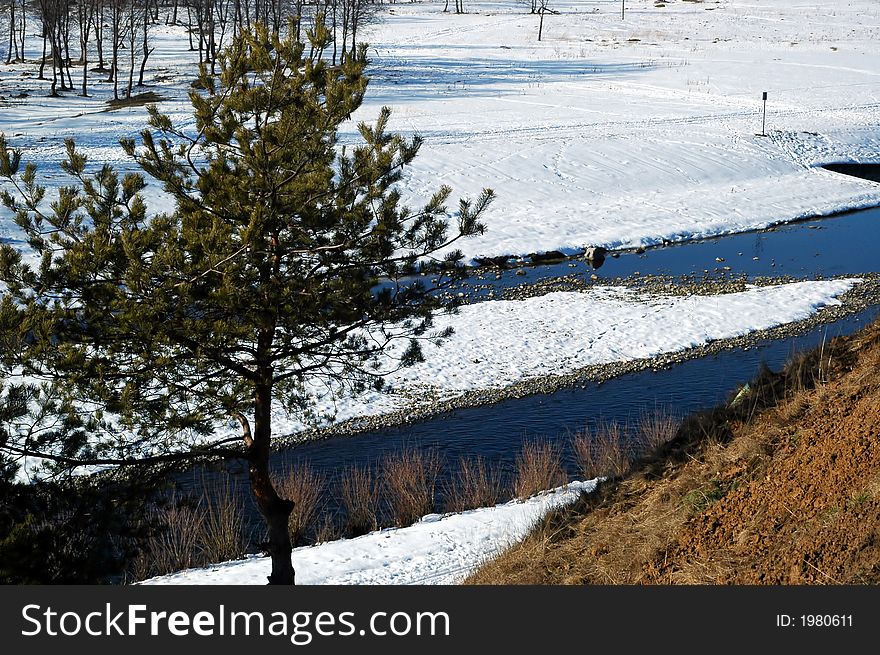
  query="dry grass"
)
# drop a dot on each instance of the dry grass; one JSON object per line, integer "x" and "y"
{"x": 475, "y": 484}
{"x": 606, "y": 538}
{"x": 631, "y": 529}
{"x": 656, "y": 429}
{"x": 175, "y": 546}
{"x": 223, "y": 524}
{"x": 359, "y": 494}
{"x": 328, "y": 528}
{"x": 601, "y": 454}
{"x": 305, "y": 488}
{"x": 538, "y": 468}
{"x": 409, "y": 481}
{"x": 193, "y": 533}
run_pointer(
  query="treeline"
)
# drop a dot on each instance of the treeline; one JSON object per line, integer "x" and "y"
{"x": 75, "y": 42}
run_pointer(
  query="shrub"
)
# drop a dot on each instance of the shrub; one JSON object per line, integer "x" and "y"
{"x": 657, "y": 429}
{"x": 601, "y": 453}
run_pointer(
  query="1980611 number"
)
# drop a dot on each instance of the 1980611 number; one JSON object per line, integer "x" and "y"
{"x": 826, "y": 620}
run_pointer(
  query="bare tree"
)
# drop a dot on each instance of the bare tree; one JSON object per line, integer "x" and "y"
{"x": 543, "y": 9}
{"x": 146, "y": 50}
{"x": 118, "y": 25}
{"x": 98, "y": 24}
{"x": 85, "y": 17}
{"x": 16, "y": 14}
{"x": 53, "y": 16}
{"x": 114, "y": 36}
{"x": 133, "y": 18}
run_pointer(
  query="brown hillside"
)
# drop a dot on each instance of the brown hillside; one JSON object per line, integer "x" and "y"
{"x": 781, "y": 488}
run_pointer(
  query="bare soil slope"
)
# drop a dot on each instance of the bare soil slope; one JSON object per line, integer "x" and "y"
{"x": 780, "y": 487}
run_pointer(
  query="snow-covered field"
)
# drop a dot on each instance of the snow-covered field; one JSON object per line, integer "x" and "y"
{"x": 623, "y": 132}
{"x": 607, "y": 132}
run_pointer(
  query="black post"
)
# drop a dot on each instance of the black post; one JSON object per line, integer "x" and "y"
{"x": 764, "y": 120}
{"x": 622, "y": 9}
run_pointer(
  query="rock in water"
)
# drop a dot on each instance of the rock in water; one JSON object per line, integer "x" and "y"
{"x": 595, "y": 256}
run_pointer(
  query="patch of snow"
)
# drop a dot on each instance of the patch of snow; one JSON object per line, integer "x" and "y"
{"x": 436, "y": 550}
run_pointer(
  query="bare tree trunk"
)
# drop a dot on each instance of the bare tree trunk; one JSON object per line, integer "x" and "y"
{"x": 147, "y": 50}
{"x": 99, "y": 32}
{"x": 11, "y": 32}
{"x": 54, "y": 91}
{"x": 236, "y": 18}
{"x": 132, "y": 41}
{"x": 355, "y": 14}
{"x": 64, "y": 37}
{"x": 43, "y": 58}
{"x": 199, "y": 21}
{"x": 23, "y": 31}
{"x": 85, "y": 15}
{"x": 211, "y": 46}
{"x": 115, "y": 26}
{"x": 85, "y": 75}
{"x": 335, "y": 39}
{"x": 298, "y": 6}
{"x": 189, "y": 27}
{"x": 346, "y": 15}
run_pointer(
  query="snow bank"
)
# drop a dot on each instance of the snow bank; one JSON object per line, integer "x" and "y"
{"x": 499, "y": 343}
{"x": 437, "y": 550}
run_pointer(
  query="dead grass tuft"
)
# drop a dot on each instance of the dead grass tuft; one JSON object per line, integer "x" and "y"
{"x": 359, "y": 494}
{"x": 409, "y": 480}
{"x": 538, "y": 468}
{"x": 193, "y": 532}
{"x": 656, "y": 429}
{"x": 306, "y": 489}
{"x": 601, "y": 453}
{"x": 475, "y": 484}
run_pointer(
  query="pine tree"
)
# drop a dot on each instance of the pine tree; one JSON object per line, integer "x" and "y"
{"x": 287, "y": 261}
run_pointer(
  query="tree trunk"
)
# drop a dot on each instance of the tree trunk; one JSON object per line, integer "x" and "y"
{"x": 43, "y": 58}
{"x": 99, "y": 33}
{"x": 275, "y": 510}
{"x": 11, "y": 32}
{"x": 23, "y": 31}
{"x": 64, "y": 34}
{"x": 84, "y": 46}
{"x": 147, "y": 50}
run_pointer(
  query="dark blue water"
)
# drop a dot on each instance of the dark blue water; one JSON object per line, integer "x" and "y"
{"x": 805, "y": 250}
